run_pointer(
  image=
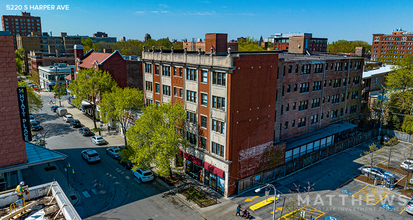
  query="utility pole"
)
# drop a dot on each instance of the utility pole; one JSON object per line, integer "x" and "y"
{"x": 381, "y": 116}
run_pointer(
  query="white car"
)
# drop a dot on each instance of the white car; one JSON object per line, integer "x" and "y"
{"x": 407, "y": 164}
{"x": 32, "y": 119}
{"x": 98, "y": 140}
{"x": 67, "y": 118}
{"x": 113, "y": 152}
{"x": 90, "y": 155}
{"x": 375, "y": 172}
{"x": 144, "y": 175}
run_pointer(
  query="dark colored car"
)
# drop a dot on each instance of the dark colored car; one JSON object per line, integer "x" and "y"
{"x": 126, "y": 163}
{"x": 86, "y": 131}
{"x": 385, "y": 139}
{"x": 36, "y": 126}
{"x": 53, "y": 108}
{"x": 75, "y": 123}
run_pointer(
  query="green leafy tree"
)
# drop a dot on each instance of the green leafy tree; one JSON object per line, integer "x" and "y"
{"x": 393, "y": 122}
{"x": 89, "y": 85}
{"x": 33, "y": 98}
{"x": 402, "y": 75}
{"x": 19, "y": 56}
{"x": 119, "y": 104}
{"x": 154, "y": 139}
{"x": 345, "y": 46}
{"x": 59, "y": 90}
{"x": 371, "y": 157}
{"x": 249, "y": 44}
{"x": 389, "y": 150}
{"x": 88, "y": 44}
{"x": 407, "y": 124}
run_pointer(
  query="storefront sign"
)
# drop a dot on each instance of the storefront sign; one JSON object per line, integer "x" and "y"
{"x": 214, "y": 170}
{"x": 193, "y": 159}
{"x": 24, "y": 113}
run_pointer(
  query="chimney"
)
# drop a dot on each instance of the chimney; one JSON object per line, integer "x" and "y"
{"x": 63, "y": 34}
{"x": 217, "y": 41}
{"x": 78, "y": 52}
{"x": 57, "y": 53}
{"x": 107, "y": 50}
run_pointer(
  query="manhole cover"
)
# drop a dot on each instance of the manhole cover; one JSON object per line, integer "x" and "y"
{"x": 50, "y": 168}
{"x": 73, "y": 197}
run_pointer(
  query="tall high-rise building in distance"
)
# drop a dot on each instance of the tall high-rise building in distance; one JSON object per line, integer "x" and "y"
{"x": 147, "y": 37}
{"x": 390, "y": 48}
{"x": 21, "y": 25}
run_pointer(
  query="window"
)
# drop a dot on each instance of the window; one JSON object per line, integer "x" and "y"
{"x": 175, "y": 91}
{"x": 335, "y": 99}
{"x": 287, "y": 107}
{"x": 317, "y": 86}
{"x": 306, "y": 69}
{"x": 295, "y": 87}
{"x": 218, "y": 102}
{"x": 336, "y": 83}
{"x": 191, "y": 117}
{"x": 218, "y": 78}
{"x": 304, "y": 87}
{"x": 327, "y": 114}
{"x": 204, "y": 76}
{"x": 296, "y": 68}
{"x": 301, "y": 122}
{"x": 157, "y": 87}
{"x": 354, "y": 95}
{"x": 344, "y": 82}
{"x": 148, "y": 86}
{"x": 174, "y": 71}
{"x": 356, "y": 80}
{"x": 353, "y": 109}
{"x": 286, "y": 125}
{"x": 318, "y": 68}
{"x": 288, "y": 89}
{"x": 181, "y": 92}
{"x": 315, "y": 103}
{"x": 218, "y": 126}
{"x": 156, "y": 69}
{"x": 166, "y": 90}
{"x": 190, "y": 96}
{"x": 334, "y": 114}
{"x": 290, "y": 68}
{"x": 191, "y": 74}
{"x": 303, "y": 105}
{"x": 203, "y": 142}
{"x": 293, "y": 123}
{"x": 338, "y": 67}
{"x": 204, "y": 121}
{"x": 217, "y": 149}
{"x": 191, "y": 138}
{"x": 180, "y": 72}
{"x": 204, "y": 99}
{"x": 294, "y": 105}
{"x": 329, "y": 83}
{"x": 314, "y": 119}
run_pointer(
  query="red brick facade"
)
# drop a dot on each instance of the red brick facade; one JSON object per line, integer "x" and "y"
{"x": 12, "y": 146}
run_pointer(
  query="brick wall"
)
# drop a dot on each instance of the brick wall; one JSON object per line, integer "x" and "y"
{"x": 134, "y": 74}
{"x": 116, "y": 66}
{"x": 12, "y": 146}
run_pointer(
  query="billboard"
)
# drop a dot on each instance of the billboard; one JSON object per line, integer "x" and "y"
{"x": 24, "y": 113}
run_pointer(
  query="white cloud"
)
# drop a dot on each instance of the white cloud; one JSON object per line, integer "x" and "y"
{"x": 140, "y": 12}
{"x": 164, "y": 12}
{"x": 155, "y": 12}
{"x": 163, "y": 5}
{"x": 201, "y": 13}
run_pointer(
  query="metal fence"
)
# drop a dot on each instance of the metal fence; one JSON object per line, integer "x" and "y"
{"x": 304, "y": 161}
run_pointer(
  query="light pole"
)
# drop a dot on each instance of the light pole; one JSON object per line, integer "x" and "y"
{"x": 67, "y": 173}
{"x": 275, "y": 196}
{"x": 381, "y": 116}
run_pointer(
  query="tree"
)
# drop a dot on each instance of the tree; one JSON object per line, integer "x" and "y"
{"x": 19, "y": 55}
{"x": 394, "y": 122}
{"x": 390, "y": 150}
{"x": 249, "y": 44}
{"x": 155, "y": 137}
{"x": 371, "y": 157}
{"x": 59, "y": 90}
{"x": 88, "y": 44}
{"x": 407, "y": 156}
{"x": 33, "y": 98}
{"x": 407, "y": 124}
{"x": 89, "y": 85}
{"x": 345, "y": 46}
{"x": 402, "y": 75}
{"x": 118, "y": 105}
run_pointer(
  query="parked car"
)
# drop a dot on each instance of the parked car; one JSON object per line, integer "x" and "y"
{"x": 143, "y": 175}
{"x": 126, "y": 163}
{"x": 384, "y": 139}
{"x": 36, "y": 126}
{"x": 54, "y": 108}
{"x": 32, "y": 119}
{"x": 375, "y": 172}
{"x": 90, "y": 155}
{"x": 61, "y": 111}
{"x": 67, "y": 118}
{"x": 75, "y": 123}
{"x": 86, "y": 131}
{"x": 97, "y": 139}
{"x": 409, "y": 207}
{"x": 113, "y": 152}
{"x": 407, "y": 164}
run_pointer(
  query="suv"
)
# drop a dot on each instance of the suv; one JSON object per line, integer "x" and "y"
{"x": 143, "y": 175}
{"x": 67, "y": 118}
{"x": 36, "y": 126}
{"x": 407, "y": 164}
{"x": 375, "y": 172}
{"x": 90, "y": 155}
{"x": 86, "y": 131}
{"x": 126, "y": 163}
{"x": 75, "y": 123}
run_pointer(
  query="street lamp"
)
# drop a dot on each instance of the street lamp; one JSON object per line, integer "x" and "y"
{"x": 275, "y": 196}
{"x": 67, "y": 172}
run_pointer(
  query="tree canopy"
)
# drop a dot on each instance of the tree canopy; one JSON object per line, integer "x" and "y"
{"x": 19, "y": 55}
{"x": 59, "y": 90}
{"x": 154, "y": 139}
{"x": 89, "y": 85}
{"x": 118, "y": 105}
{"x": 345, "y": 46}
{"x": 33, "y": 98}
{"x": 402, "y": 75}
{"x": 249, "y": 44}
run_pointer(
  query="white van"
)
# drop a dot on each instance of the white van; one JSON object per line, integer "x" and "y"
{"x": 61, "y": 111}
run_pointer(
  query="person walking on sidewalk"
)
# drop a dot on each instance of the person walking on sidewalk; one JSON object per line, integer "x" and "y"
{"x": 247, "y": 214}
{"x": 238, "y": 210}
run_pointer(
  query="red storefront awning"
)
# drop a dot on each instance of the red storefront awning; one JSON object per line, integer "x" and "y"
{"x": 214, "y": 170}
{"x": 180, "y": 153}
{"x": 193, "y": 159}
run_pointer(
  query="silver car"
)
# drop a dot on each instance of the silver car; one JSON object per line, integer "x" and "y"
{"x": 98, "y": 140}
{"x": 407, "y": 164}
{"x": 409, "y": 207}
{"x": 374, "y": 172}
{"x": 113, "y": 152}
{"x": 90, "y": 155}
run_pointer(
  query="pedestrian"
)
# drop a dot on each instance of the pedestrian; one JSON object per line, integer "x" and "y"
{"x": 247, "y": 214}
{"x": 238, "y": 210}
{"x": 243, "y": 212}
{"x": 20, "y": 191}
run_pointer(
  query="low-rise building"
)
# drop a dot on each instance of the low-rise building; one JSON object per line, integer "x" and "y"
{"x": 50, "y": 75}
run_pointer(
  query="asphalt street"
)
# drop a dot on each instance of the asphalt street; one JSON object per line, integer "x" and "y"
{"x": 106, "y": 189}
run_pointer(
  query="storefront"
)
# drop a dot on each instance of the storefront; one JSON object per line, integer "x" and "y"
{"x": 205, "y": 173}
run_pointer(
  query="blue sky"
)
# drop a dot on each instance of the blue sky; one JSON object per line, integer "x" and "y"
{"x": 335, "y": 20}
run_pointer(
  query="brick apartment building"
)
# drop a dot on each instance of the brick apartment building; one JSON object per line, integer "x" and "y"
{"x": 243, "y": 106}
{"x": 21, "y": 25}
{"x": 298, "y": 43}
{"x": 373, "y": 82}
{"x": 390, "y": 48}
{"x": 15, "y": 153}
{"x": 209, "y": 39}
{"x": 62, "y": 44}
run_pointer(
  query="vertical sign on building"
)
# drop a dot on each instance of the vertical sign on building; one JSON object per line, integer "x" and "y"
{"x": 72, "y": 73}
{"x": 24, "y": 113}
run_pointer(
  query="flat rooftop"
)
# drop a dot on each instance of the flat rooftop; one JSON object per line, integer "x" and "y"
{"x": 380, "y": 70}
{"x": 316, "y": 57}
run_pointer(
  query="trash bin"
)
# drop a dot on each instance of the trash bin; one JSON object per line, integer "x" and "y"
{"x": 375, "y": 181}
